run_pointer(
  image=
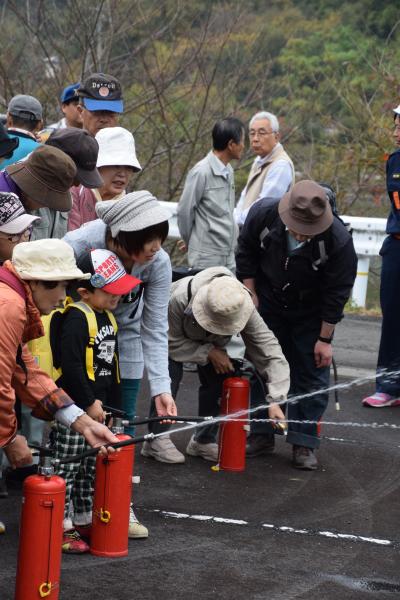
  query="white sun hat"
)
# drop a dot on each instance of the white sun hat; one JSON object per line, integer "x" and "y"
{"x": 46, "y": 260}
{"x": 116, "y": 147}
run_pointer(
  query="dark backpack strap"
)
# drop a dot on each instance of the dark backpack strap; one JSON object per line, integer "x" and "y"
{"x": 13, "y": 282}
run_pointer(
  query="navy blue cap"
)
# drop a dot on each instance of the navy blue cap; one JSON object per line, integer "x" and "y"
{"x": 68, "y": 93}
{"x": 101, "y": 92}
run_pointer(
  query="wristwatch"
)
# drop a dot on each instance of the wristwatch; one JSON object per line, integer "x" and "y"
{"x": 325, "y": 339}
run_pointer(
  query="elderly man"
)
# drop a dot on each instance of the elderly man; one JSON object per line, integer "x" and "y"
{"x": 204, "y": 312}
{"x": 100, "y": 102}
{"x": 299, "y": 261}
{"x": 272, "y": 173}
{"x": 205, "y": 210}
{"x": 24, "y": 120}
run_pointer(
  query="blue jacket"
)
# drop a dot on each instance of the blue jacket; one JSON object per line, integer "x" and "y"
{"x": 26, "y": 145}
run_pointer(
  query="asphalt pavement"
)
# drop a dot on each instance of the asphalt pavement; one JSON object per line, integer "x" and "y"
{"x": 270, "y": 532}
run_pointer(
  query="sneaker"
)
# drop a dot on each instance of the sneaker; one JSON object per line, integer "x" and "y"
{"x": 84, "y": 531}
{"x": 380, "y": 399}
{"x": 260, "y": 443}
{"x": 72, "y": 543}
{"x": 207, "y": 451}
{"x": 163, "y": 450}
{"x": 304, "y": 458}
{"x": 2, "y": 527}
{"x": 3, "y": 488}
{"x": 136, "y": 530}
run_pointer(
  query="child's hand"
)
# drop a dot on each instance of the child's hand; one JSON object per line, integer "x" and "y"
{"x": 275, "y": 412}
{"x": 96, "y": 411}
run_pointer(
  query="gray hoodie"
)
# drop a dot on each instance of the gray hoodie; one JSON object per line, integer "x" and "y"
{"x": 142, "y": 340}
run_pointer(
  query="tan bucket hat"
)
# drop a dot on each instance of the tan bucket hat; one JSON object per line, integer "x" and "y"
{"x": 223, "y": 306}
{"x": 46, "y": 260}
{"x": 306, "y": 209}
{"x": 46, "y": 176}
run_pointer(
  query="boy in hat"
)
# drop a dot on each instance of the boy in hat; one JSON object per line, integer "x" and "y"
{"x": 24, "y": 121}
{"x": 90, "y": 375}
{"x": 100, "y": 102}
{"x": 34, "y": 283}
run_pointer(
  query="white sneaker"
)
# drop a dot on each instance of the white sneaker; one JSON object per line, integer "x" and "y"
{"x": 136, "y": 530}
{"x": 207, "y": 451}
{"x": 163, "y": 450}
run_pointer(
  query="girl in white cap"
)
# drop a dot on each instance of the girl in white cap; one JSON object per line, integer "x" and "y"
{"x": 116, "y": 163}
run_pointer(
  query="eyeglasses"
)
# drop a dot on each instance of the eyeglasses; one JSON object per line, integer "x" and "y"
{"x": 17, "y": 237}
{"x": 259, "y": 132}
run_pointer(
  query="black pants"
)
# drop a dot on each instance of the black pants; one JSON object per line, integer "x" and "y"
{"x": 297, "y": 337}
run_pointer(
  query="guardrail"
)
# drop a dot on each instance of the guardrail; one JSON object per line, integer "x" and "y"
{"x": 368, "y": 236}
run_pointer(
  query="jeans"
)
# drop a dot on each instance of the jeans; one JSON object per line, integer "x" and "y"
{"x": 297, "y": 337}
{"x": 129, "y": 393}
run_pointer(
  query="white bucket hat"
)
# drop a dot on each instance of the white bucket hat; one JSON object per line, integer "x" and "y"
{"x": 46, "y": 260}
{"x": 116, "y": 147}
{"x": 223, "y": 306}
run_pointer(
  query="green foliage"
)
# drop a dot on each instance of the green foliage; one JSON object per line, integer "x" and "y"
{"x": 327, "y": 68}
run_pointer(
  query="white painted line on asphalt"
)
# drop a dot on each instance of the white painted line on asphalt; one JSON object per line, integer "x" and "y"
{"x": 282, "y": 528}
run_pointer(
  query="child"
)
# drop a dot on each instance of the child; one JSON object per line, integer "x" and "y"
{"x": 86, "y": 350}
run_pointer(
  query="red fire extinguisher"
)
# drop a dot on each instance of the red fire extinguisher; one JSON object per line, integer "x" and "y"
{"x": 41, "y": 530}
{"x": 232, "y": 434}
{"x": 112, "y": 497}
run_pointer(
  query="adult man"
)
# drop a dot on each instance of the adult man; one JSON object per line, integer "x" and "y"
{"x": 301, "y": 274}
{"x": 24, "y": 120}
{"x": 100, "y": 102}
{"x": 69, "y": 101}
{"x": 43, "y": 180}
{"x": 204, "y": 312}
{"x": 388, "y": 386}
{"x": 34, "y": 283}
{"x": 205, "y": 209}
{"x": 272, "y": 172}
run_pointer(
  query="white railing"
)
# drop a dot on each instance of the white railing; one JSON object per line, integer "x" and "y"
{"x": 368, "y": 236}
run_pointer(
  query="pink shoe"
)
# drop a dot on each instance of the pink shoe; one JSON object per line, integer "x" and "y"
{"x": 380, "y": 399}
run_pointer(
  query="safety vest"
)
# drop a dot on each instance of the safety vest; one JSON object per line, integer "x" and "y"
{"x": 41, "y": 348}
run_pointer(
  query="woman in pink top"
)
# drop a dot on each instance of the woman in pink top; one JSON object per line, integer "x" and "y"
{"x": 116, "y": 163}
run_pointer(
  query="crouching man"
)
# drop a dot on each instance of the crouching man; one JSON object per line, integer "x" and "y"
{"x": 204, "y": 312}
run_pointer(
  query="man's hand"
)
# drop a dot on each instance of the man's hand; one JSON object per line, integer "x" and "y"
{"x": 323, "y": 354}
{"x": 275, "y": 412}
{"x": 18, "y": 452}
{"x": 95, "y": 433}
{"x": 165, "y": 405}
{"x": 220, "y": 361}
{"x": 96, "y": 411}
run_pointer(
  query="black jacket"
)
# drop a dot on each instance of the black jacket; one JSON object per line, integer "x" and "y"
{"x": 315, "y": 279}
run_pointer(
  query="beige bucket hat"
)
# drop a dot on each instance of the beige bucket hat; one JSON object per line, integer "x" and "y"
{"x": 46, "y": 260}
{"x": 223, "y": 306}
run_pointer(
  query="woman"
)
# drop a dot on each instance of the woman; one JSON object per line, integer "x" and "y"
{"x": 116, "y": 163}
{"x": 134, "y": 228}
